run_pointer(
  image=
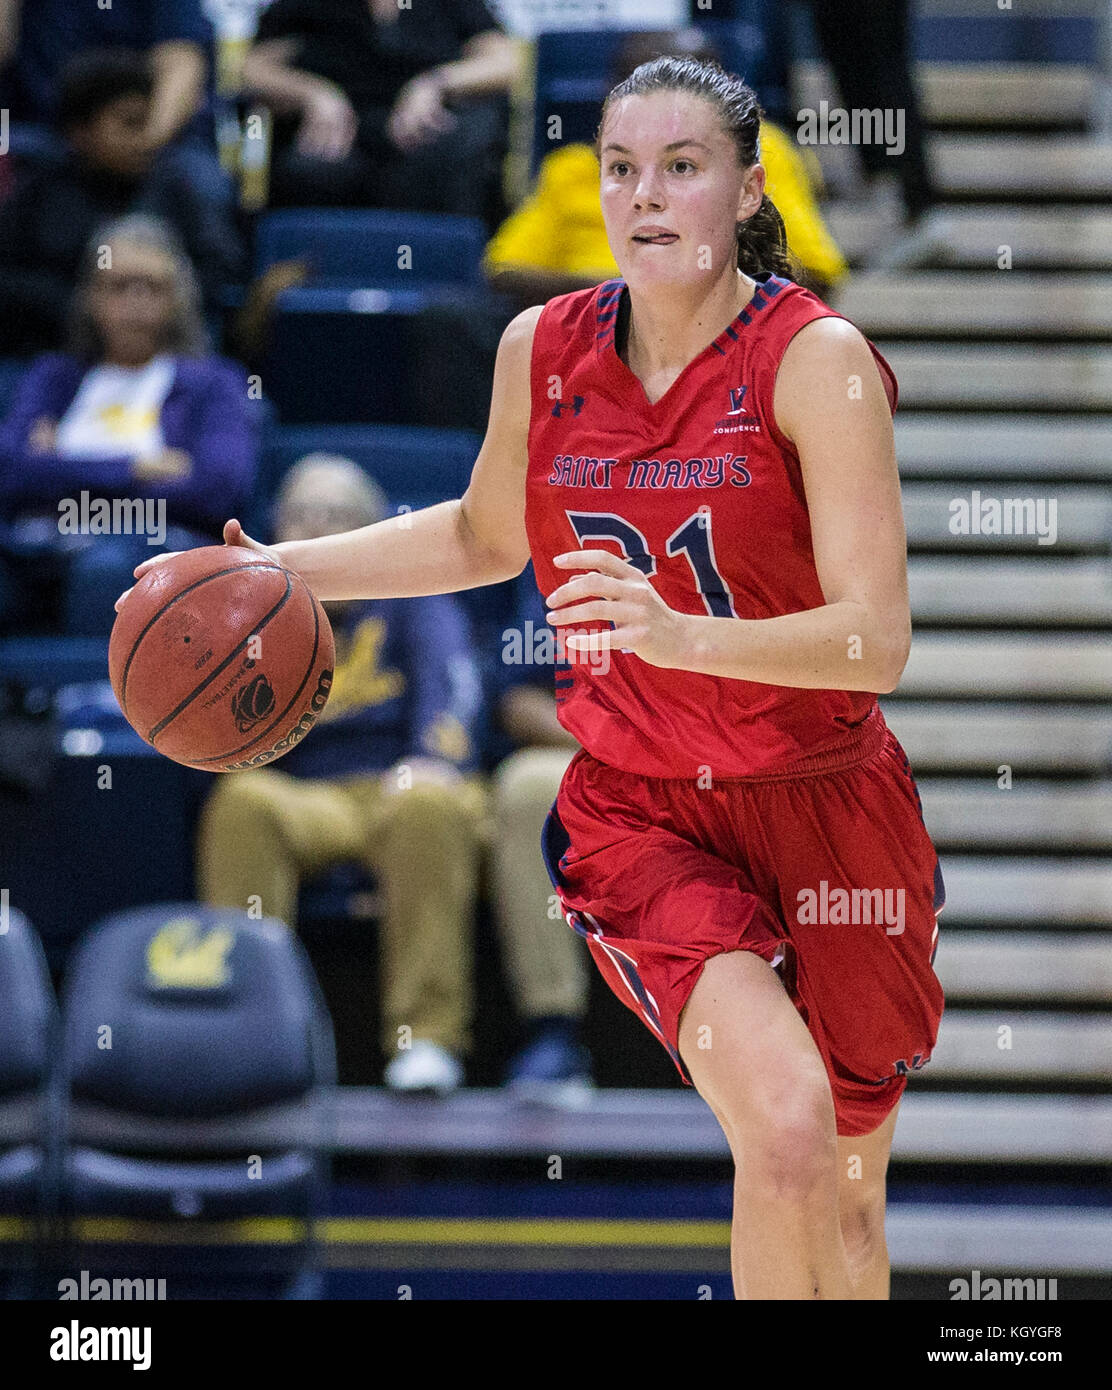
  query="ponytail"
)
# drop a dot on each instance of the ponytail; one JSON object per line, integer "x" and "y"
{"x": 762, "y": 242}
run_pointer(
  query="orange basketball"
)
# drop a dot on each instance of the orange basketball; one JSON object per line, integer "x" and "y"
{"x": 221, "y": 659}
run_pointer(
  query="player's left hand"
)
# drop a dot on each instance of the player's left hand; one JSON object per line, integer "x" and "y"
{"x": 615, "y": 591}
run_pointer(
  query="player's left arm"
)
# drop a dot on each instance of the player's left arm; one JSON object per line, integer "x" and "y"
{"x": 830, "y": 402}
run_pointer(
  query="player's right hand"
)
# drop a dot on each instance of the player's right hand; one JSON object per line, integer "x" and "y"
{"x": 234, "y": 534}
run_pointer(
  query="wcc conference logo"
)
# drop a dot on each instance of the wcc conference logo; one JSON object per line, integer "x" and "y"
{"x": 738, "y": 420}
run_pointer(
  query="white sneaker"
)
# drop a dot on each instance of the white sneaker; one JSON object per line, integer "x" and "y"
{"x": 426, "y": 1066}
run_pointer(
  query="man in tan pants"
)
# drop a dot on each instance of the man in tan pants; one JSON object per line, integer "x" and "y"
{"x": 546, "y": 962}
{"x": 385, "y": 779}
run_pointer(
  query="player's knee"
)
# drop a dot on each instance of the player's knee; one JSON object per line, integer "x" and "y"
{"x": 782, "y": 1132}
{"x": 794, "y": 1155}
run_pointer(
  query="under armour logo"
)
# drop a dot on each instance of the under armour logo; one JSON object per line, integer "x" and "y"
{"x": 576, "y": 404}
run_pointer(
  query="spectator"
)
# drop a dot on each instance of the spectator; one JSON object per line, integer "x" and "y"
{"x": 555, "y": 242}
{"x": 381, "y": 106}
{"x": 545, "y": 962}
{"x": 868, "y": 47}
{"x": 136, "y": 408}
{"x": 386, "y": 778}
{"x": 41, "y": 38}
{"x": 107, "y": 171}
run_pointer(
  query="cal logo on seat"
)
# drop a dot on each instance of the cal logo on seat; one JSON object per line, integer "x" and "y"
{"x": 179, "y": 956}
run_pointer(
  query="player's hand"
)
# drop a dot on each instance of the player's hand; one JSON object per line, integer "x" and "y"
{"x": 234, "y": 534}
{"x": 615, "y": 591}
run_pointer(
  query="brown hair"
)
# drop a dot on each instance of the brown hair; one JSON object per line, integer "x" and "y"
{"x": 185, "y": 335}
{"x": 762, "y": 243}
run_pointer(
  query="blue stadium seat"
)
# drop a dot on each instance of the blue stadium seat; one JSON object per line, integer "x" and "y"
{"x": 207, "y": 1100}
{"x": 355, "y": 355}
{"x": 111, "y": 814}
{"x": 360, "y": 247}
{"x": 28, "y": 1110}
{"x": 50, "y": 662}
{"x": 415, "y": 465}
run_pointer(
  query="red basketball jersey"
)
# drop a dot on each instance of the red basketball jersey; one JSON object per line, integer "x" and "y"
{"x": 701, "y": 492}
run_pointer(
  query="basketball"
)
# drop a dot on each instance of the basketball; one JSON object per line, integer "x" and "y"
{"x": 221, "y": 659}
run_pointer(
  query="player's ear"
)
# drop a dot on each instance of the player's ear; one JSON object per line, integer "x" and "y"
{"x": 752, "y": 192}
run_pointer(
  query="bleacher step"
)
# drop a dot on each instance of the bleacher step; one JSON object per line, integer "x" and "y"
{"x": 1004, "y": 446}
{"x": 1025, "y": 965}
{"x": 963, "y": 812}
{"x": 1081, "y": 516}
{"x": 933, "y": 1127}
{"x": 1029, "y": 891}
{"x": 965, "y": 736}
{"x": 972, "y": 376}
{"x": 1035, "y": 237}
{"x": 1009, "y": 166}
{"x": 999, "y": 1241}
{"x": 1009, "y": 1043}
{"x": 988, "y": 665}
{"x": 988, "y": 94}
{"x": 957, "y": 304}
{"x": 997, "y": 167}
{"x": 1024, "y": 591}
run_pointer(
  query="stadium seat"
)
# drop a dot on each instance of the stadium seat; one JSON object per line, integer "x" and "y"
{"x": 369, "y": 349}
{"x": 362, "y": 247}
{"x": 50, "y": 662}
{"x": 110, "y": 827}
{"x": 415, "y": 465}
{"x": 28, "y": 1113}
{"x": 197, "y": 1057}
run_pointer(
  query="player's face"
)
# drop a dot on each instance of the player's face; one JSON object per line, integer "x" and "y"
{"x": 667, "y": 165}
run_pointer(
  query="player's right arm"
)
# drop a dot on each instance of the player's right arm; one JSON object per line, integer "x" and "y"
{"x": 463, "y": 544}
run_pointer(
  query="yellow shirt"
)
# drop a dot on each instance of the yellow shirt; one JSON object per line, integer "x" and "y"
{"x": 559, "y": 226}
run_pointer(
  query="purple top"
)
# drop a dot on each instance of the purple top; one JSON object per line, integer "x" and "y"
{"x": 206, "y": 413}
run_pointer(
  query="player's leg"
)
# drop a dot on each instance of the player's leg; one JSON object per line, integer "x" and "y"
{"x": 862, "y": 1189}
{"x": 752, "y": 1059}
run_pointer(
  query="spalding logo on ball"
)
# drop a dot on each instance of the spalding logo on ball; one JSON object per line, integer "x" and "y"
{"x": 221, "y": 659}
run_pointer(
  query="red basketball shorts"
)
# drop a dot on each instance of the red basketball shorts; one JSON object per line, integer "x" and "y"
{"x": 827, "y": 872}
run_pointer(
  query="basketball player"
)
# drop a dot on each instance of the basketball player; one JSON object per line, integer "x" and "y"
{"x": 700, "y": 454}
